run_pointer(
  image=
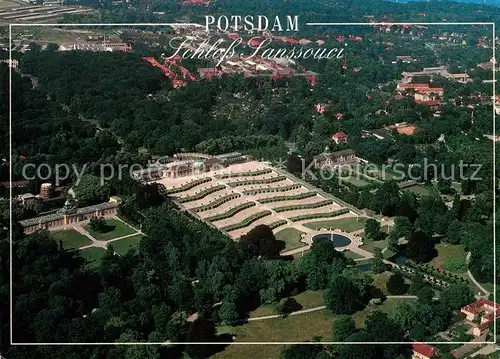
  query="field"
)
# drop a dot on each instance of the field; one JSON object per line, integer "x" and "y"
{"x": 447, "y": 252}
{"x": 299, "y": 327}
{"x": 291, "y": 237}
{"x": 122, "y": 246}
{"x": 93, "y": 255}
{"x": 356, "y": 181}
{"x": 418, "y": 190}
{"x": 119, "y": 229}
{"x": 346, "y": 224}
{"x": 369, "y": 245}
{"x": 70, "y": 238}
{"x": 308, "y": 299}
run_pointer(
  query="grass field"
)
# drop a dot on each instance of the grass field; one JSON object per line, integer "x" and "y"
{"x": 299, "y": 327}
{"x": 122, "y": 246}
{"x": 447, "y": 252}
{"x": 308, "y": 299}
{"x": 291, "y": 237}
{"x": 93, "y": 255}
{"x": 70, "y": 238}
{"x": 418, "y": 190}
{"x": 350, "y": 224}
{"x": 119, "y": 229}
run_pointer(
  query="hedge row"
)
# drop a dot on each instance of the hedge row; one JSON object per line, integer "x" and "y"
{"x": 288, "y": 198}
{"x": 430, "y": 270}
{"x": 256, "y": 182}
{"x": 320, "y": 215}
{"x": 273, "y": 189}
{"x": 216, "y": 203}
{"x": 244, "y": 174}
{"x": 202, "y": 194}
{"x": 326, "y": 202}
{"x": 187, "y": 186}
{"x": 410, "y": 272}
{"x": 247, "y": 221}
{"x": 277, "y": 224}
{"x": 230, "y": 212}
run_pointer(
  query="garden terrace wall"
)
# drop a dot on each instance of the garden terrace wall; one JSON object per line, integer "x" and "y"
{"x": 304, "y": 206}
{"x": 277, "y": 224}
{"x": 216, "y": 203}
{"x": 273, "y": 189}
{"x": 319, "y": 215}
{"x": 202, "y": 194}
{"x": 257, "y": 182}
{"x": 244, "y": 174}
{"x": 187, "y": 186}
{"x": 231, "y": 212}
{"x": 288, "y": 198}
{"x": 247, "y": 221}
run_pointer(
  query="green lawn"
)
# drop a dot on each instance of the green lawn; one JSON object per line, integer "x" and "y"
{"x": 369, "y": 245}
{"x": 119, "y": 229}
{"x": 350, "y": 224}
{"x": 418, "y": 190}
{"x": 122, "y": 246}
{"x": 291, "y": 237}
{"x": 294, "y": 328}
{"x": 308, "y": 299}
{"x": 356, "y": 181}
{"x": 447, "y": 252}
{"x": 93, "y": 255}
{"x": 352, "y": 255}
{"x": 70, "y": 238}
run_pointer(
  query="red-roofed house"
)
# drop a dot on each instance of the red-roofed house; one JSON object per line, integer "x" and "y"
{"x": 340, "y": 137}
{"x": 489, "y": 310}
{"x": 423, "y": 351}
{"x": 428, "y": 93}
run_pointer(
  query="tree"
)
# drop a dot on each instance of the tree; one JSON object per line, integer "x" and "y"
{"x": 98, "y": 224}
{"x": 453, "y": 233}
{"x": 382, "y": 329}
{"x": 396, "y": 284}
{"x": 420, "y": 247}
{"x": 372, "y": 230}
{"x": 405, "y": 315}
{"x": 378, "y": 265}
{"x": 357, "y": 351}
{"x": 342, "y": 296}
{"x": 201, "y": 330}
{"x": 402, "y": 227}
{"x": 90, "y": 190}
{"x": 342, "y": 328}
{"x": 287, "y": 306}
{"x": 280, "y": 276}
{"x": 425, "y": 294}
{"x": 417, "y": 283}
{"x": 302, "y": 351}
{"x": 456, "y": 296}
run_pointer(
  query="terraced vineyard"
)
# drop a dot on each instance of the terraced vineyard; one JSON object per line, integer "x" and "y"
{"x": 240, "y": 197}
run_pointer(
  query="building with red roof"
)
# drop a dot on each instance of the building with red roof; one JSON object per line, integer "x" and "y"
{"x": 405, "y": 86}
{"x": 423, "y": 351}
{"x": 340, "y": 137}
{"x": 483, "y": 310}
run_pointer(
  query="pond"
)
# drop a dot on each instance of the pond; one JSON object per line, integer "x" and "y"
{"x": 337, "y": 239}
